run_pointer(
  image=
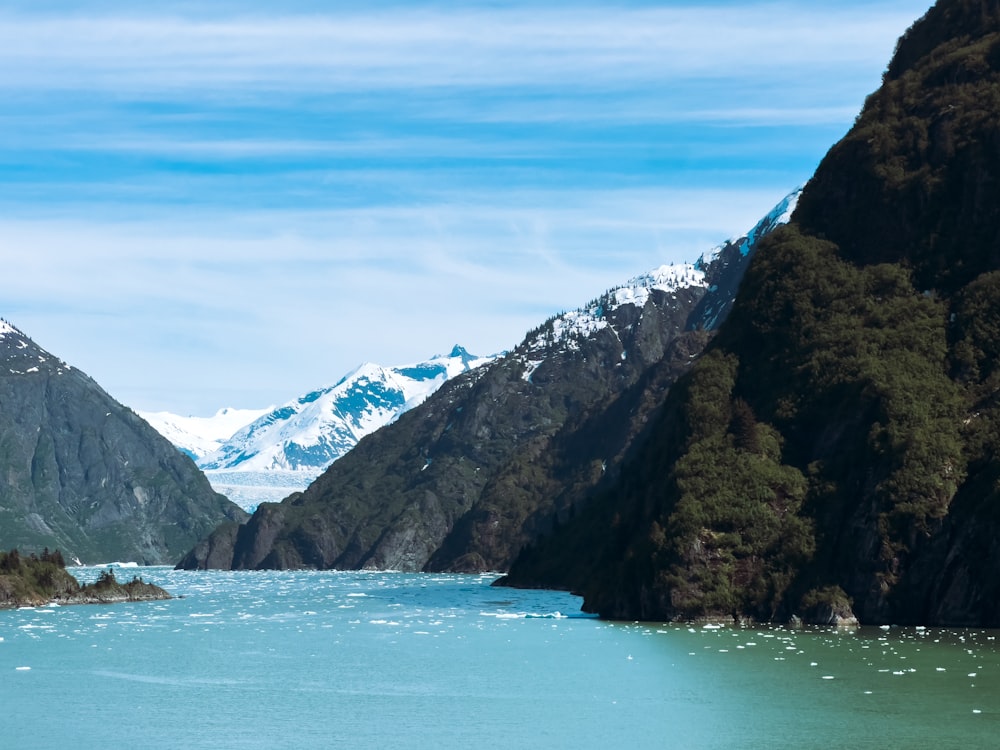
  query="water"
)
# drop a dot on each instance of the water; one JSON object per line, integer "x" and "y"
{"x": 379, "y": 660}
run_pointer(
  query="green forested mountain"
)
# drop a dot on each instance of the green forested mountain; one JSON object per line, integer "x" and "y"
{"x": 838, "y": 445}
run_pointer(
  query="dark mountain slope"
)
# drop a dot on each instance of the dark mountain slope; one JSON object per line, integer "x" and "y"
{"x": 915, "y": 181}
{"x": 84, "y": 474}
{"x": 499, "y": 454}
{"x": 839, "y": 443}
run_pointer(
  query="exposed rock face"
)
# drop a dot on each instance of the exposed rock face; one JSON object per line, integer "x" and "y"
{"x": 82, "y": 473}
{"x": 500, "y": 454}
{"x": 836, "y": 450}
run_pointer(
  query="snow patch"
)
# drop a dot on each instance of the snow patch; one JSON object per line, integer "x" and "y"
{"x": 780, "y": 214}
{"x": 570, "y": 327}
{"x": 530, "y": 366}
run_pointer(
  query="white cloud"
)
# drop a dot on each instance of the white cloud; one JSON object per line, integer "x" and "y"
{"x": 292, "y": 300}
{"x": 441, "y": 46}
{"x": 208, "y": 204}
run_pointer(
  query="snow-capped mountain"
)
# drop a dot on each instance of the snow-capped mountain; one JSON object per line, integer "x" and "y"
{"x": 708, "y": 272}
{"x": 310, "y": 432}
{"x": 253, "y": 456}
{"x": 199, "y": 436}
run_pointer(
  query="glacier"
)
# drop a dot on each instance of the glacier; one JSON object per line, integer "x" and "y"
{"x": 264, "y": 455}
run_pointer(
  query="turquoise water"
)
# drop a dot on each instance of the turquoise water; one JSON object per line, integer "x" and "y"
{"x": 383, "y": 660}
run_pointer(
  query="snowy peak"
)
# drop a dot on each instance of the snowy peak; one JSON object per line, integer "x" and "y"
{"x": 725, "y": 265}
{"x": 718, "y": 272}
{"x": 777, "y": 216}
{"x": 310, "y": 432}
{"x": 19, "y": 355}
{"x": 667, "y": 278}
{"x": 569, "y": 327}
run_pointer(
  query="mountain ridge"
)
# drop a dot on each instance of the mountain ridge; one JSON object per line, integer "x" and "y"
{"x": 425, "y": 487}
{"x": 313, "y": 430}
{"x": 280, "y": 450}
{"x": 86, "y": 475}
{"x": 833, "y": 455}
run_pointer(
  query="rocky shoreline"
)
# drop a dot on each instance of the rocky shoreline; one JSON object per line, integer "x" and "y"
{"x": 32, "y": 581}
{"x": 110, "y": 591}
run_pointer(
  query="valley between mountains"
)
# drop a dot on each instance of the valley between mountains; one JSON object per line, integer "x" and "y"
{"x": 801, "y": 425}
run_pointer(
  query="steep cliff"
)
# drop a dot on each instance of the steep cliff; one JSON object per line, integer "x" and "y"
{"x": 82, "y": 473}
{"x": 838, "y": 445}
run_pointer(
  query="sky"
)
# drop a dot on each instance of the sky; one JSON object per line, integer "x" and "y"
{"x": 211, "y": 204}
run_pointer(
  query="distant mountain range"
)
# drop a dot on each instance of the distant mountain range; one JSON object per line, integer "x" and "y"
{"x": 254, "y": 456}
{"x": 84, "y": 474}
{"x": 496, "y": 454}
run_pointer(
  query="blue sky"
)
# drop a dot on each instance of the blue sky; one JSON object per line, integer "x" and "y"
{"x": 214, "y": 204}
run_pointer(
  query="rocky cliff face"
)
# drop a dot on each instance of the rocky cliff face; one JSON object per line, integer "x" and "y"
{"x": 82, "y": 473}
{"x": 837, "y": 445}
{"x": 499, "y": 454}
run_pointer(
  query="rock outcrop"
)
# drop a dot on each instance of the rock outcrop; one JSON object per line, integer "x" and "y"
{"x": 33, "y": 581}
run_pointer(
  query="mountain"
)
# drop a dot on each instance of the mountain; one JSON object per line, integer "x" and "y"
{"x": 460, "y": 482}
{"x": 835, "y": 452}
{"x": 83, "y": 474}
{"x": 199, "y": 436}
{"x": 258, "y": 456}
{"x": 310, "y": 432}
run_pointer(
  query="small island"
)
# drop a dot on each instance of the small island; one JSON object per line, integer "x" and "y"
{"x": 36, "y": 580}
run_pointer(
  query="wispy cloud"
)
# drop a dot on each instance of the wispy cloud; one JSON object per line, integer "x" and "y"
{"x": 230, "y": 202}
{"x": 441, "y": 46}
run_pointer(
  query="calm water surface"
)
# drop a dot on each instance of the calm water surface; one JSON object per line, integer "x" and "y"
{"x": 388, "y": 660}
